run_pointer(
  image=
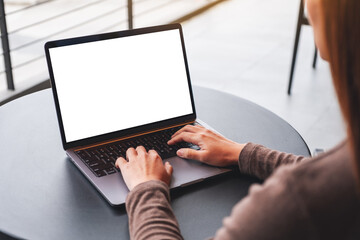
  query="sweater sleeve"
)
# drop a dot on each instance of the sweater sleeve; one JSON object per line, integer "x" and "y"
{"x": 259, "y": 161}
{"x": 150, "y": 213}
{"x": 270, "y": 211}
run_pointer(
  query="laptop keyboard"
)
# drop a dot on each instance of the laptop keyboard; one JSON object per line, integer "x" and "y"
{"x": 101, "y": 159}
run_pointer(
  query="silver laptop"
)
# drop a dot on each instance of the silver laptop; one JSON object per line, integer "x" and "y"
{"x": 119, "y": 90}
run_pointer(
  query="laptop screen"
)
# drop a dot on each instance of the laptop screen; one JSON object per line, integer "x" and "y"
{"x": 119, "y": 83}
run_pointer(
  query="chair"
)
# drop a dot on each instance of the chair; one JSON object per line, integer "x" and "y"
{"x": 302, "y": 20}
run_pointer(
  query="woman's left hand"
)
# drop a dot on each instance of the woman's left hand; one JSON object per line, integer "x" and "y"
{"x": 143, "y": 166}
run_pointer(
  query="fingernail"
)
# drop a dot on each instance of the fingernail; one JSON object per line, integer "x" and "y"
{"x": 180, "y": 152}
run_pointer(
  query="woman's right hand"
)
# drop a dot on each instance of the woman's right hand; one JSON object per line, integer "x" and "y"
{"x": 214, "y": 150}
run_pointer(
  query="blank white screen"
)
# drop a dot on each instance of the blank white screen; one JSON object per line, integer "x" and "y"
{"x": 115, "y": 84}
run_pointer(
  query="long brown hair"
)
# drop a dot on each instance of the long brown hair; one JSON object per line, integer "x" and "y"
{"x": 342, "y": 19}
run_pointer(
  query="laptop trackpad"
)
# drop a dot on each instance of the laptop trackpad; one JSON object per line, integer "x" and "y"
{"x": 190, "y": 171}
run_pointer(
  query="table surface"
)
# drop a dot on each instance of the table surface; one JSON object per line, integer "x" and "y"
{"x": 44, "y": 196}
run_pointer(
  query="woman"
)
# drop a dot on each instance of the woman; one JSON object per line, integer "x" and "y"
{"x": 302, "y": 198}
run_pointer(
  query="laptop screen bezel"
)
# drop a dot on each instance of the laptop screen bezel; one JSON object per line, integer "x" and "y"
{"x": 130, "y": 131}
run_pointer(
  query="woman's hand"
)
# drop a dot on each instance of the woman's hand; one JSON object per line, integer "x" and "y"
{"x": 143, "y": 166}
{"x": 214, "y": 149}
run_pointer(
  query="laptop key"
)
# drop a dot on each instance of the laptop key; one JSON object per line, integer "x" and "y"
{"x": 110, "y": 171}
{"x": 87, "y": 160}
{"x": 101, "y": 167}
{"x": 94, "y": 164}
{"x": 101, "y": 150}
{"x": 99, "y": 173}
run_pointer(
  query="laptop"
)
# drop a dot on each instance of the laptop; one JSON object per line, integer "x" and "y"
{"x": 123, "y": 89}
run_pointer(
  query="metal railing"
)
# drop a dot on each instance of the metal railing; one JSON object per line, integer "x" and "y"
{"x": 128, "y": 19}
{"x": 6, "y": 47}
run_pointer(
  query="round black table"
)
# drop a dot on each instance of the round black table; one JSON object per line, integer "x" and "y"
{"x": 44, "y": 196}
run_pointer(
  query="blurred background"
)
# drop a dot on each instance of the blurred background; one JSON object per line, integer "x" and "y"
{"x": 242, "y": 47}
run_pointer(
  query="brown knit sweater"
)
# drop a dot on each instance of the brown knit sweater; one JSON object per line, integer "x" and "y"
{"x": 305, "y": 198}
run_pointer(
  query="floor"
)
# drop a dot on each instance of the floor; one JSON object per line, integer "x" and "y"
{"x": 244, "y": 47}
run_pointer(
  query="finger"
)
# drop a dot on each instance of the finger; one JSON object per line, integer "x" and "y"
{"x": 153, "y": 152}
{"x": 187, "y": 128}
{"x": 130, "y": 153}
{"x": 140, "y": 150}
{"x": 168, "y": 168}
{"x": 185, "y": 136}
{"x": 190, "y": 154}
{"x": 120, "y": 162}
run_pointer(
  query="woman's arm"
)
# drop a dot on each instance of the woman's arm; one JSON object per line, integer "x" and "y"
{"x": 261, "y": 162}
{"x": 270, "y": 211}
{"x": 150, "y": 213}
{"x": 148, "y": 203}
{"x": 218, "y": 151}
